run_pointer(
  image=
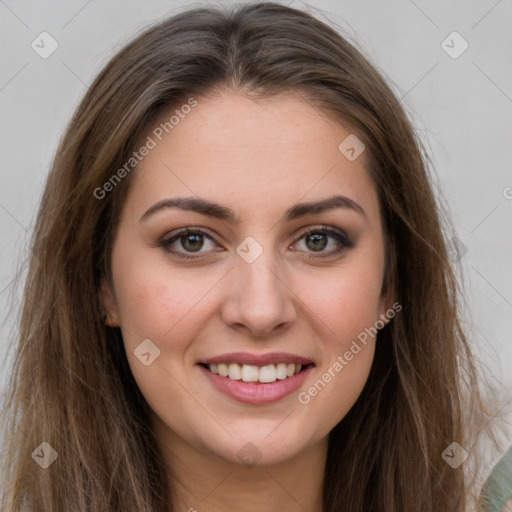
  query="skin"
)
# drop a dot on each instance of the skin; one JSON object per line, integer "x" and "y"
{"x": 258, "y": 158}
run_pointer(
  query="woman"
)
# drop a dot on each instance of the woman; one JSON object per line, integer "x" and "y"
{"x": 239, "y": 293}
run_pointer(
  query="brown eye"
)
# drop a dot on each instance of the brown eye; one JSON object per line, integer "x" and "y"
{"x": 317, "y": 240}
{"x": 187, "y": 241}
{"x": 192, "y": 242}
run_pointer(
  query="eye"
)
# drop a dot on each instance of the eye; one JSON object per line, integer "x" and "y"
{"x": 317, "y": 239}
{"x": 189, "y": 239}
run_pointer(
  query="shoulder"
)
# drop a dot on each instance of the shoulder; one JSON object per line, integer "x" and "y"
{"x": 496, "y": 493}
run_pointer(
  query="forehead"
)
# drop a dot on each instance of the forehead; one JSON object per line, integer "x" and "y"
{"x": 249, "y": 154}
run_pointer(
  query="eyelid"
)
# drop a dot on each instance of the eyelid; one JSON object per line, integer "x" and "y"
{"x": 329, "y": 230}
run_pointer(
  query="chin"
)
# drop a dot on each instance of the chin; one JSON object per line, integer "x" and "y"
{"x": 260, "y": 449}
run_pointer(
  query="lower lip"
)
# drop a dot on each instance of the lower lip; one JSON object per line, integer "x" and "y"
{"x": 255, "y": 392}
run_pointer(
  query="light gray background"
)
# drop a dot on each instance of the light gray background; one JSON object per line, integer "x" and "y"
{"x": 461, "y": 106}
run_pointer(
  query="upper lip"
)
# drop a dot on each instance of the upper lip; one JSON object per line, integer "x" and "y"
{"x": 257, "y": 359}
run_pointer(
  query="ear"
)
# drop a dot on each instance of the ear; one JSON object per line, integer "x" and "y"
{"x": 109, "y": 304}
{"x": 387, "y": 305}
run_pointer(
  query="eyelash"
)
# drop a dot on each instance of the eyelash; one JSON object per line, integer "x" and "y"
{"x": 341, "y": 238}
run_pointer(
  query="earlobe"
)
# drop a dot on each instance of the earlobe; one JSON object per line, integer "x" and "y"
{"x": 387, "y": 307}
{"x": 109, "y": 322}
{"x": 110, "y": 318}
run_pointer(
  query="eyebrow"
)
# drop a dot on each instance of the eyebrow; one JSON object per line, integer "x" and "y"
{"x": 217, "y": 211}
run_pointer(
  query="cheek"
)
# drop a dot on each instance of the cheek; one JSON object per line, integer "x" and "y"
{"x": 348, "y": 305}
{"x": 169, "y": 307}
{"x": 155, "y": 300}
{"x": 162, "y": 305}
{"x": 346, "y": 301}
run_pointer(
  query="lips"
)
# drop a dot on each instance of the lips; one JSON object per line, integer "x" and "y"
{"x": 257, "y": 393}
{"x": 253, "y": 378}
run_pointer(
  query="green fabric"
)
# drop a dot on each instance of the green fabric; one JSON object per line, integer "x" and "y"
{"x": 497, "y": 489}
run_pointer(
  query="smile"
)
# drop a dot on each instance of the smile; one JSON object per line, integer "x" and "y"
{"x": 256, "y": 378}
{"x": 251, "y": 373}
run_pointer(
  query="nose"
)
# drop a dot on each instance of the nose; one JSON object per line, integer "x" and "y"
{"x": 258, "y": 298}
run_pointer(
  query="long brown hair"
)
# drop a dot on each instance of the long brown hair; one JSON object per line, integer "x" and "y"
{"x": 71, "y": 385}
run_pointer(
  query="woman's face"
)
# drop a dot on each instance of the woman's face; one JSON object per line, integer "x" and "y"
{"x": 252, "y": 291}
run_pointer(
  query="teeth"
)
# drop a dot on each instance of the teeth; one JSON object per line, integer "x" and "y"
{"x": 281, "y": 371}
{"x": 235, "y": 371}
{"x": 251, "y": 373}
{"x": 268, "y": 373}
{"x": 223, "y": 370}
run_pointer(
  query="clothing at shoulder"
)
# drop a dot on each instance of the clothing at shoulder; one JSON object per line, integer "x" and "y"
{"x": 496, "y": 493}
